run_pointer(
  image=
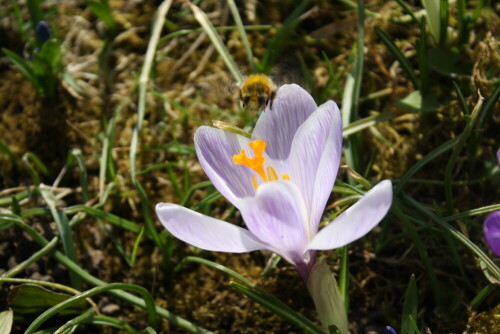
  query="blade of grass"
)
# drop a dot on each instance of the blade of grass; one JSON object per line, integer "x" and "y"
{"x": 112, "y": 322}
{"x": 420, "y": 164}
{"x": 423, "y": 66}
{"x": 173, "y": 180}
{"x": 106, "y": 163}
{"x": 136, "y": 247}
{"x": 488, "y": 106}
{"x": 434, "y": 14}
{"x": 461, "y": 99}
{"x": 143, "y": 81}
{"x": 35, "y": 11}
{"x": 29, "y": 159}
{"x": 77, "y": 154}
{"x": 421, "y": 249}
{"x": 192, "y": 189}
{"x": 32, "y": 259}
{"x": 115, "y": 242}
{"x": 448, "y": 173}
{"x": 204, "y": 21}
{"x": 107, "y": 216}
{"x": 243, "y": 35}
{"x": 209, "y": 199}
{"x": 186, "y": 178}
{"x": 16, "y": 208}
{"x": 344, "y": 276}
{"x": 352, "y": 89}
{"x": 473, "y": 212}
{"x": 485, "y": 292}
{"x": 102, "y": 10}
{"x": 443, "y": 21}
{"x": 414, "y": 324}
{"x": 51, "y": 285}
{"x": 408, "y": 10}
{"x": 183, "y": 32}
{"x": 462, "y": 22}
{"x": 278, "y": 43}
{"x": 366, "y": 122}
{"x": 409, "y": 307}
{"x": 354, "y": 5}
{"x": 71, "y": 325}
{"x": 5, "y": 149}
{"x": 149, "y": 330}
{"x": 45, "y": 250}
{"x": 64, "y": 232}
{"x": 400, "y": 57}
{"x": 19, "y": 197}
{"x": 216, "y": 266}
{"x": 21, "y": 27}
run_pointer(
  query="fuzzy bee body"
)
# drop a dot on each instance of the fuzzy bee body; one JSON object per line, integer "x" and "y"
{"x": 257, "y": 91}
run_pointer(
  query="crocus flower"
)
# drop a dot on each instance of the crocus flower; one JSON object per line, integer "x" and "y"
{"x": 491, "y": 227}
{"x": 280, "y": 179}
{"x": 389, "y": 330}
{"x": 42, "y": 32}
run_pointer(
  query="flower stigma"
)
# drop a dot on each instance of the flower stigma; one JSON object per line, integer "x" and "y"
{"x": 257, "y": 163}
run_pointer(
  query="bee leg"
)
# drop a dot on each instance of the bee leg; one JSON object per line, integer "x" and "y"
{"x": 271, "y": 100}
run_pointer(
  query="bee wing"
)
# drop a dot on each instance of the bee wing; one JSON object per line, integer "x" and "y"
{"x": 286, "y": 72}
{"x": 218, "y": 88}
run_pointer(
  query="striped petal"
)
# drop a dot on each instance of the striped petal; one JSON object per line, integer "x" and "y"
{"x": 215, "y": 149}
{"x": 277, "y": 217}
{"x": 315, "y": 158}
{"x": 356, "y": 221}
{"x": 206, "y": 232}
{"x": 277, "y": 126}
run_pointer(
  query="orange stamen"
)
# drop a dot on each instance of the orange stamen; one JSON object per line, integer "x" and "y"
{"x": 257, "y": 163}
{"x": 273, "y": 176}
{"x": 254, "y": 182}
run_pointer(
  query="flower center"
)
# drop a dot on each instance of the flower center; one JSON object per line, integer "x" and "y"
{"x": 257, "y": 163}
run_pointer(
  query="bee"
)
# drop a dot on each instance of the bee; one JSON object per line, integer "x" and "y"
{"x": 257, "y": 91}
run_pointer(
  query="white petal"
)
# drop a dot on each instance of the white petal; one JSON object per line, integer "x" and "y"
{"x": 215, "y": 149}
{"x": 356, "y": 221}
{"x": 206, "y": 232}
{"x": 315, "y": 158}
{"x": 277, "y": 125}
{"x": 278, "y": 217}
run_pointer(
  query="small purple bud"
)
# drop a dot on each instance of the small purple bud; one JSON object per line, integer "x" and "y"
{"x": 42, "y": 32}
{"x": 491, "y": 231}
{"x": 389, "y": 330}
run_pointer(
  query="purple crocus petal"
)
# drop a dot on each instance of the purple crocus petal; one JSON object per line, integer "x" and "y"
{"x": 356, "y": 221}
{"x": 277, "y": 126}
{"x": 315, "y": 159}
{"x": 215, "y": 149}
{"x": 277, "y": 216}
{"x": 206, "y": 232}
{"x": 498, "y": 157}
{"x": 491, "y": 230}
{"x": 389, "y": 330}
{"x": 42, "y": 32}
